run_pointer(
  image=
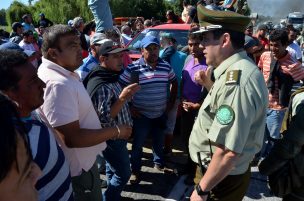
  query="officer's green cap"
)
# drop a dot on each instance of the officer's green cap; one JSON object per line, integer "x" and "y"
{"x": 210, "y": 20}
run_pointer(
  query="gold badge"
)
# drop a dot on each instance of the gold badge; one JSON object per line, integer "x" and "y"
{"x": 233, "y": 77}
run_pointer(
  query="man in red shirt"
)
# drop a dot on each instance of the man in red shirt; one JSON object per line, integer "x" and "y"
{"x": 261, "y": 35}
{"x": 280, "y": 71}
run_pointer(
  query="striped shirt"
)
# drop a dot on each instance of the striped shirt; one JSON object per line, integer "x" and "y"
{"x": 103, "y": 99}
{"x": 151, "y": 99}
{"x": 88, "y": 63}
{"x": 288, "y": 65}
{"x": 55, "y": 181}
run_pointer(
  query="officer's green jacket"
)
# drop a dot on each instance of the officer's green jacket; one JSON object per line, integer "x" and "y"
{"x": 234, "y": 112}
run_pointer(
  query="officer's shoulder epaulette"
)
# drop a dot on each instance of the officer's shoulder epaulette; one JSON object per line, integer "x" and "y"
{"x": 233, "y": 77}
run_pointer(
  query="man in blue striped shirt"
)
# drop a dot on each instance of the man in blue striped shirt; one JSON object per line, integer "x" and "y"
{"x": 149, "y": 104}
{"x": 19, "y": 81}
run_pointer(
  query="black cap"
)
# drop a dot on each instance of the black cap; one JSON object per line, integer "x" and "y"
{"x": 16, "y": 25}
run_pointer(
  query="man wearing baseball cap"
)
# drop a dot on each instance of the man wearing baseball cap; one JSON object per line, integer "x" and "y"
{"x": 16, "y": 35}
{"x": 92, "y": 60}
{"x": 110, "y": 102}
{"x": 229, "y": 128}
{"x": 150, "y": 104}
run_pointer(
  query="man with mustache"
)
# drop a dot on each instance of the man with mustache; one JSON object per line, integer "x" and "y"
{"x": 150, "y": 104}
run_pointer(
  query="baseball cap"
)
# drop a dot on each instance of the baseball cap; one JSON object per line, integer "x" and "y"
{"x": 14, "y": 46}
{"x": 97, "y": 38}
{"x": 41, "y": 14}
{"x": 15, "y": 25}
{"x": 77, "y": 21}
{"x": 108, "y": 46}
{"x": 148, "y": 40}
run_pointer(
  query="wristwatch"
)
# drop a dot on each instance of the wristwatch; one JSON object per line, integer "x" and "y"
{"x": 200, "y": 192}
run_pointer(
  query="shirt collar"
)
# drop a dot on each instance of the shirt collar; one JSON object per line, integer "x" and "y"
{"x": 228, "y": 62}
{"x": 55, "y": 67}
{"x": 93, "y": 58}
{"x": 143, "y": 62}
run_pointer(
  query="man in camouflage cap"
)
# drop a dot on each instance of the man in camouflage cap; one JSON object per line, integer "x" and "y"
{"x": 229, "y": 128}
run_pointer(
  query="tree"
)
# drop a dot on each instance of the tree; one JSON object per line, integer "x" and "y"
{"x": 2, "y": 17}
{"x": 15, "y": 12}
{"x": 60, "y": 11}
{"x": 144, "y": 8}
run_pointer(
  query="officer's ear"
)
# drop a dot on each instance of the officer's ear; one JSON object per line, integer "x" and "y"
{"x": 225, "y": 40}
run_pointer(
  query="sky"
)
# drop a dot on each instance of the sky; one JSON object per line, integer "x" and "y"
{"x": 276, "y": 8}
{"x": 6, "y": 3}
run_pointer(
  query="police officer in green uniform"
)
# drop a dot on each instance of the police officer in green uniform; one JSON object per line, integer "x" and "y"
{"x": 229, "y": 129}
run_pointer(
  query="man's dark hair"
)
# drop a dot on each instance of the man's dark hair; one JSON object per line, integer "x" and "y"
{"x": 89, "y": 26}
{"x": 10, "y": 60}
{"x": 279, "y": 35}
{"x": 52, "y": 36}
{"x": 10, "y": 124}
{"x": 237, "y": 38}
{"x": 28, "y": 33}
{"x": 112, "y": 34}
{"x": 291, "y": 28}
{"x": 194, "y": 36}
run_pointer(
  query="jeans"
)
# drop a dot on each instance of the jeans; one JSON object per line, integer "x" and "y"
{"x": 143, "y": 126}
{"x": 117, "y": 168}
{"x": 102, "y": 14}
{"x": 274, "y": 121}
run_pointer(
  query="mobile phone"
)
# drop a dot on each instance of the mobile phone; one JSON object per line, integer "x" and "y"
{"x": 134, "y": 77}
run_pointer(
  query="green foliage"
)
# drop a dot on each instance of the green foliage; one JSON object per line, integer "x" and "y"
{"x": 15, "y": 12}
{"x": 60, "y": 11}
{"x": 2, "y": 17}
{"x": 145, "y": 8}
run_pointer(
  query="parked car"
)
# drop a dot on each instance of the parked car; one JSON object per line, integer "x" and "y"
{"x": 179, "y": 31}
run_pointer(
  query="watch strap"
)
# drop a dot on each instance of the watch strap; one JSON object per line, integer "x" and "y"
{"x": 200, "y": 191}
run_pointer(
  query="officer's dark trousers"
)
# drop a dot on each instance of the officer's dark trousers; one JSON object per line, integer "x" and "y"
{"x": 232, "y": 188}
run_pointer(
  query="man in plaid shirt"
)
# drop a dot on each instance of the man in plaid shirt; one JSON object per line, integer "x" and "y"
{"x": 110, "y": 102}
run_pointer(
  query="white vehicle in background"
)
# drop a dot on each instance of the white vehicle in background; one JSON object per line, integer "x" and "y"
{"x": 296, "y": 19}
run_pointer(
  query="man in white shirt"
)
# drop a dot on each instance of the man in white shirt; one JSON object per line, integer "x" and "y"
{"x": 293, "y": 48}
{"x": 69, "y": 110}
{"x": 27, "y": 44}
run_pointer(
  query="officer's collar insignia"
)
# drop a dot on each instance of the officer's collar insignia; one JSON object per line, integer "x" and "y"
{"x": 225, "y": 114}
{"x": 233, "y": 77}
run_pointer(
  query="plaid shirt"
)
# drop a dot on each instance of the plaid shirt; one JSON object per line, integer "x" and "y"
{"x": 103, "y": 99}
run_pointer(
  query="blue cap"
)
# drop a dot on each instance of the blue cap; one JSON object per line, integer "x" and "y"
{"x": 41, "y": 14}
{"x": 70, "y": 23}
{"x": 14, "y": 46}
{"x": 148, "y": 40}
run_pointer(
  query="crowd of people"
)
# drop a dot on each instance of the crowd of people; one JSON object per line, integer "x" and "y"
{"x": 71, "y": 97}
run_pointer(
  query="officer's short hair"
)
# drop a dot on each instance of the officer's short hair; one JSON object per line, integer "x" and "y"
{"x": 237, "y": 38}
